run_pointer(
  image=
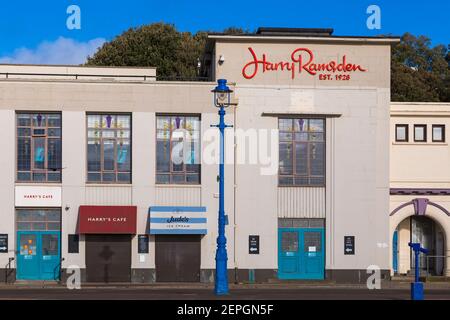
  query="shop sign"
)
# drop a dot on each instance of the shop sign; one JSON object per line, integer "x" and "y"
{"x": 178, "y": 220}
{"x": 107, "y": 219}
{"x": 301, "y": 61}
{"x": 349, "y": 245}
{"x": 4, "y": 243}
{"x": 253, "y": 244}
{"x": 143, "y": 243}
{"x": 34, "y": 196}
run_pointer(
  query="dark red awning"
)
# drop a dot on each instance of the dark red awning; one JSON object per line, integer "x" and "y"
{"x": 107, "y": 219}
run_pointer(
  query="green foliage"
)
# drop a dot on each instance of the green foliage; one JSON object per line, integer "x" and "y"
{"x": 158, "y": 45}
{"x": 420, "y": 72}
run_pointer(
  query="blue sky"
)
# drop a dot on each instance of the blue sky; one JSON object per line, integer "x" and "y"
{"x": 34, "y": 31}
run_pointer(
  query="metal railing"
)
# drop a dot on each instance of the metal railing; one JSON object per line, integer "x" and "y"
{"x": 8, "y": 268}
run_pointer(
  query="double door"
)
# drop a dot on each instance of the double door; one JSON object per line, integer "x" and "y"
{"x": 301, "y": 253}
{"x": 38, "y": 255}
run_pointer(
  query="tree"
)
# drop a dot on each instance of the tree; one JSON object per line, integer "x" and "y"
{"x": 175, "y": 54}
{"x": 419, "y": 72}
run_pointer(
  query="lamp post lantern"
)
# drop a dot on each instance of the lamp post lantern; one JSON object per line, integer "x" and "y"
{"x": 222, "y": 100}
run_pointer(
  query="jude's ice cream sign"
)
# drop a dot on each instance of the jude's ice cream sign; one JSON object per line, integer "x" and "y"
{"x": 302, "y": 61}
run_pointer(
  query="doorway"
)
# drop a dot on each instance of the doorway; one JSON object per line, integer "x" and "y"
{"x": 301, "y": 253}
{"x": 108, "y": 258}
{"x": 177, "y": 258}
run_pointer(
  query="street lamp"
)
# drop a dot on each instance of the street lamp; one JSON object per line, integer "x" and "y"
{"x": 222, "y": 100}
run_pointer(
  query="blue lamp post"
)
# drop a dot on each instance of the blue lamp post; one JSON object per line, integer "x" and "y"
{"x": 222, "y": 100}
{"x": 417, "y": 286}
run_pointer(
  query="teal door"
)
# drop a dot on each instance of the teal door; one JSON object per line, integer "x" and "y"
{"x": 301, "y": 253}
{"x": 38, "y": 255}
{"x": 395, "y": 252}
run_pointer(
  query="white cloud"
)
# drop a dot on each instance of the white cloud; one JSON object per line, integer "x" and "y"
{"x": 61, "y": 51}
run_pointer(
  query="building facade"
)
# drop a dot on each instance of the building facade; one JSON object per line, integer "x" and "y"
{"x": 113, "y": 172}
{"x": 420, "y": 188}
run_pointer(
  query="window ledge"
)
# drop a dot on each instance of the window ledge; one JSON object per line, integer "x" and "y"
{"x": 178, "y": 185}
{"x": 419, "y": 143}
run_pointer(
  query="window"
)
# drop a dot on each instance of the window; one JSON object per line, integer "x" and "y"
{"x": 420, "y": 133}
{"x": 38, "y": 147}
{"x": 401, "y": 133}
{"x": 38, "y": 220}
{"x": 301, "y": 152}
{"x": 177, "y": 149}
{"x": 438, "y": 133}
{"x": 109, "y": 148}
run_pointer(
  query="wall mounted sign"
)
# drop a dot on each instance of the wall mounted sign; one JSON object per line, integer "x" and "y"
{"x": 178, "y": 220}
{"x": 143, "y": 243}
{"x": 34, "y": 196}
{"x": 4, "y": 243}
{"x": 301, "y": 61}
{"x": 253, "y": 244}
{"x": 107, "y": 219}
{"x": 349, "y": 245}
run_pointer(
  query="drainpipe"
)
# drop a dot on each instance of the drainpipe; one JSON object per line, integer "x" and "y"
{"x": 234, "y": 197}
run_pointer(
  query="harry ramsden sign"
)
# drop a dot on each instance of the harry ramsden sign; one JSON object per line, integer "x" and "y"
{"x": 302, "y": 60}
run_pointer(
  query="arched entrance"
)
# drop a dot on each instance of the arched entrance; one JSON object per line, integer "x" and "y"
{"x": 420, "y": 220}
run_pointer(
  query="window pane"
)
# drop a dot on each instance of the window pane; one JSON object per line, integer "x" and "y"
{"x": 301, "y": 158}
{"x": 39, "y": 176}
{"x": 419, "y": 133}
{"x": 401, "y": 133}
{"x": 124, "y": 177}
{"x": 123, "y": 121}
{"x": 23, "y": 132}
{"x": 109, "y": 177}
{"x": 108, "y": 155}
{"x": 94, "y": 121}
{"x": 54, "y": 154}
{"x": 23, "y": 176}
{"x": 285, "y": 124}
{"x": 23, "y": 154}
{"x": 28, "y": 245}
{"x": 193, "y": 178}
{"x": 438, "y": 133}
{"x": 39, "y": 153}
{"x": 54, "y": 176}
{"x": 317, "y": 158}
{"x": 162, "y": 178}
{"x": 54, "y": 120}
{"x": 163, "y": 156}
{"x": 301, "y": 125}
{"x": 94, "y": 177}
{"x": 23, "y": 120}
{"x": 316, "y": 125}
{"x": 50, "y": 244}
{"x": 289, "y": 241}
{"x": 285, "y": 158}
{"x": 178, "y": 178}
{"x": 39, "y": 120}
{"x": 94, "y": 155}
{"x": 123, "y": 156}
{"x": 177, "y": 156}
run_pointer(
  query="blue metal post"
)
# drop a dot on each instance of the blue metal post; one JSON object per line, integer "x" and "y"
{"x": 221, "y": 100}
{"x": 417, "y": 286}
{"x": 221, "y": 283}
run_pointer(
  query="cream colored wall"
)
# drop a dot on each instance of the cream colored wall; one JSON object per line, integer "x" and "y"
{"x": 7, "y": 163}
{"x": 357, "y": 192}
{"x": 418, "y": 164}
{"x": 374, "y": 58}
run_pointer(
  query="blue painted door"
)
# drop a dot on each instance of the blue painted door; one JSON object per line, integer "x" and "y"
{"x": 395, "y": 252}
{"x": 301, "y": 253}
{"x": 38, "y": 255}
